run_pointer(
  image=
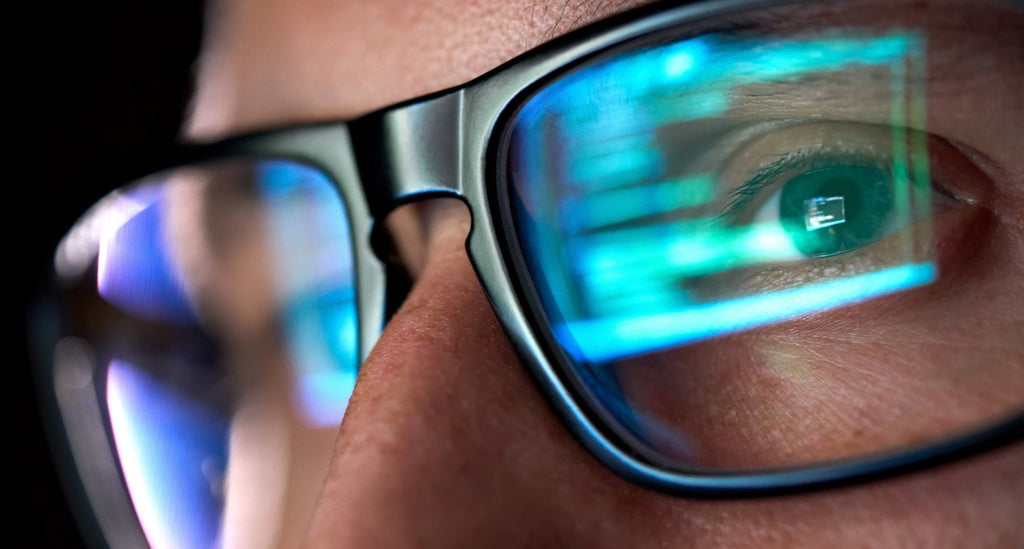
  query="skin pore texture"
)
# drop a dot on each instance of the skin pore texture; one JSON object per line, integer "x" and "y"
{"x": 447, "y": 442}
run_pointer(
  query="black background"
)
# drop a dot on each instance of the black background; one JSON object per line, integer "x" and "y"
{"x": 93, "y": 89}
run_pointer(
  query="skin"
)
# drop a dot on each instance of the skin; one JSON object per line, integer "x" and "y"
{"x": 447, "y": 442}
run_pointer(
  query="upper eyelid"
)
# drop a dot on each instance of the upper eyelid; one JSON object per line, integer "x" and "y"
{"x": 802, "y": 158}
{"x": 764, "y": 176}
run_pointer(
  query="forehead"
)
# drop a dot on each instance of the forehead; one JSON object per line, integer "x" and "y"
{"x": 270, "y": 62}
{"x": 274, "y": 61}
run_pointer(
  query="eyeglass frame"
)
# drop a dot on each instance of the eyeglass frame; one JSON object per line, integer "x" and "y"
{"x": 450, "y": 144}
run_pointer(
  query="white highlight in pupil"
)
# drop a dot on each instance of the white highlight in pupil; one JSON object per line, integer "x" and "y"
{"x": 824, "y": 211}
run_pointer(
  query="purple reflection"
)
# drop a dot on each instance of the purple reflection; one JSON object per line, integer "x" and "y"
{"x": 135, "y": 271}
{"x": 173, "y": 452}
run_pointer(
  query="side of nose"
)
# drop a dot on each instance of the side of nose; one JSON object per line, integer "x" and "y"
{"x": 447, "y": 442}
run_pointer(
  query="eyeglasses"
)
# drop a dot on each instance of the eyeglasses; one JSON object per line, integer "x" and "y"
{"x": 733, "y": 242}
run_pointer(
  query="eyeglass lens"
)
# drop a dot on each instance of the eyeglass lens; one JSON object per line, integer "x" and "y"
{"x": 744, "y": 245}
{"x": 218, "y": 303}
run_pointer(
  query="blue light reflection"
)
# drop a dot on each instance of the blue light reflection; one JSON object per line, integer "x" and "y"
{"x": 173, "y": 452}
{"x": 136, "y": 270}
{"x": 604, "y": 339}
{"x": 313, "y": 263}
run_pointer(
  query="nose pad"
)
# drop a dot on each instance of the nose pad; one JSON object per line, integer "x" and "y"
{"x": 446, "y": 440}
{"x": 408, "y": 232}
{"x": 402, "y": 241}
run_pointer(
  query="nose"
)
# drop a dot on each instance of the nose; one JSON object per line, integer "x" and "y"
{"x": 447, "y": 442}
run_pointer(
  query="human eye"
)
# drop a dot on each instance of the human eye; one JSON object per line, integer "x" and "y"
{"x": 824, "y": 201}
{"x": 832, "y": 194}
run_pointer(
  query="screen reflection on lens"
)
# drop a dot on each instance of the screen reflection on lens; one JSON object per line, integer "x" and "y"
{"x": 677, "y": 222}
{"x": 221, "y": 302}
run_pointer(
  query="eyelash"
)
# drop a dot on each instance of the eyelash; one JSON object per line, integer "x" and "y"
{"x": 796, "y": 162}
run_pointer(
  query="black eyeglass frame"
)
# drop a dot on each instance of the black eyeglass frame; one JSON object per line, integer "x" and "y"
{"x": 451, "y": 144}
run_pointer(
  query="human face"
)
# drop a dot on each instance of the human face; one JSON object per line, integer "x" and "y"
{"x": 423, "y": 457}
{"x": 414, "y": 464}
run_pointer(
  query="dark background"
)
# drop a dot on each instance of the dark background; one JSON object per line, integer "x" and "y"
{"x": 97, "y": 89}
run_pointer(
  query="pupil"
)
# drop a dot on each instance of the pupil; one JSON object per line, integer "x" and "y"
{"x": 834, "y": 210}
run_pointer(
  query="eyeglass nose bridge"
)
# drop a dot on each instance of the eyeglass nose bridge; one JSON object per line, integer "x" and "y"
{"x": 410, "y": 153}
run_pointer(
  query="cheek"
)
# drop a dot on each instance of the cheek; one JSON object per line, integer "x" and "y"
{"x": 976, "y": 503}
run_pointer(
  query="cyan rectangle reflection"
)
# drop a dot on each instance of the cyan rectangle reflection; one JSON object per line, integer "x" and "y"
{"x": 611, "y": 338}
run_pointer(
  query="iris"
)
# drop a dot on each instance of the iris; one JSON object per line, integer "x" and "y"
{"x": 834, "y": 210}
